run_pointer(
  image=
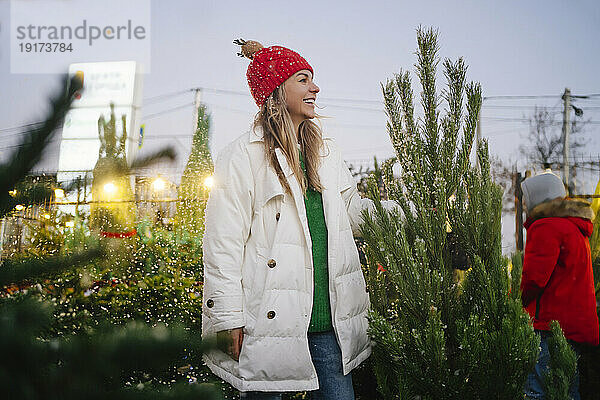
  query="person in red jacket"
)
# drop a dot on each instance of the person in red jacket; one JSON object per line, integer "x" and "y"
{"x": 557, "y": 283}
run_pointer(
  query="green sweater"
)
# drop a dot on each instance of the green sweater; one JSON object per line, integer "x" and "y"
{"x": 320, "y": 320}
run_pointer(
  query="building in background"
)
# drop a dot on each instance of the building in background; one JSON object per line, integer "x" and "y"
{"x": 104, "y": 83}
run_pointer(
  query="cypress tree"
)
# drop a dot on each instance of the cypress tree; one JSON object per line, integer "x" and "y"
{"x": 440, "y": 333}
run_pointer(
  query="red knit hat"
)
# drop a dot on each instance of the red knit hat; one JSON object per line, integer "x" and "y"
{"x": 270, "y": 67}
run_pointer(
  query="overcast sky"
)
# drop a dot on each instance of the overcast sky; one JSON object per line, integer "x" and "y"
{"x": 512, "y": 47}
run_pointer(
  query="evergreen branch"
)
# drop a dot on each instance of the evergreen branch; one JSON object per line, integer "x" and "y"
{"x": 16, "y": 272}
{"x": 473, "y": 92}
{"x": 455, "y": 74}
{"x": 92, "y": 365}
{"x": 180, "y": 391}
{"x": 427, "y": 61}
{"x": 167, "y": 153}
{"x": 33, "y": 143}
{"x": 412, "y": 142}
{"x": 394, "y": 124}
{"x": 404, "y": 88}
{"x": 563, "y": 365}
{"x": 515, "y": 275}
{"x": 133, "y": 348}
{"x": 28, "y": 194}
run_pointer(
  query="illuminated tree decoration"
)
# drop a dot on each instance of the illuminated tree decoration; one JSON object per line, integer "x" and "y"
{"x": 196, "y": 182}
{"x": 113, "y": 206}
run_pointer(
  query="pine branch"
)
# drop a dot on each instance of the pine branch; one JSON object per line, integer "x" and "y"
{"x": 29, "y": 193}
{"x": 427, "y": 61}
{"x": 93, "y": 365}
{"x": 33, "y": 143}
{"x": 35, "y": 269}
{"x": 167, "y": 153}
{"x": 563, "y": 365}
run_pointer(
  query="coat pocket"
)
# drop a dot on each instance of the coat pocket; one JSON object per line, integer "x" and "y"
{"x": 267, "y": 217}
{"x": 352, "y": 296}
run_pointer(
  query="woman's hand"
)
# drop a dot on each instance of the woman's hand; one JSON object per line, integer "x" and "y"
{"x": 230, "y": 341}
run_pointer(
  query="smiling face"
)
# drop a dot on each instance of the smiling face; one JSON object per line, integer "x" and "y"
{"x": 300, "y": 95}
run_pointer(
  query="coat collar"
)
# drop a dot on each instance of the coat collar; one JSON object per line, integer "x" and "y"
{"x": 569, "y": 208}
{"x": 329, "y": 175}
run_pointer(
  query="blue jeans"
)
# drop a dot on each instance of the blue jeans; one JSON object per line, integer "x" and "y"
{"x": 327, "y": 359}
{"x": 534, "y": 388}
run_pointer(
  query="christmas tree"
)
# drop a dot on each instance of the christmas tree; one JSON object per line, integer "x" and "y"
{"x": 98, "y": 363}
{"x": 440, "y": 334}
{"x": 109, "y": 184}
{"x": 195, "y": 183}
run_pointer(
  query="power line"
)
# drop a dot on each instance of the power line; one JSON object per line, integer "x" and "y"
{"x": 517, "y": 107}
{"x": 518, "y": 97}
{"x": 167, "y": 111}
{"x": 510, "y": 119}
{"x": 150, "y": 100}
{"x": 247, "y": 94}
{"x": 328, "y": 101}
{"x": 21, "y": 126}
{"x": 160, "y": 97}
{"x": 548, "y": 96}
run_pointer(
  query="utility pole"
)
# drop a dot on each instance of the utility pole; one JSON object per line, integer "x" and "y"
{"x": 517, "y": 179}
{"x": 197, "y": 102}
{"x": 566, "y": 128}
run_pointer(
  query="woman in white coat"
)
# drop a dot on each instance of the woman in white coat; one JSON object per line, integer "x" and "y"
{"x": 283, "y": 286}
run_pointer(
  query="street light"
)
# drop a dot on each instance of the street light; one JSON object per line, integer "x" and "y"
{"x": 578, "y": 111}
{"x": 159, "y": 184}
{"x": 110, "y": 188}
{"x": 209, "y": 182}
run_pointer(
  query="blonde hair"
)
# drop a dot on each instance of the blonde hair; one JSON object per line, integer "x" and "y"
{"x": 278, "y": 131}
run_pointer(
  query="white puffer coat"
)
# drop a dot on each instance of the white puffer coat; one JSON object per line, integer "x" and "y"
{"x": 258, "y": 271}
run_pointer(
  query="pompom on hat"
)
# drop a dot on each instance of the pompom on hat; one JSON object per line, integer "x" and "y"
{"x": 269, "y": 68}
{"x": 542, "y": 188}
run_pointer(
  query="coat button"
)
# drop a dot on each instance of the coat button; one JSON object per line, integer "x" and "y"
{"x": 277, "y": 216}
{"x": 271, "y": 314}
{"x": 210, "y": 303}
{"x": 271, "y": 263}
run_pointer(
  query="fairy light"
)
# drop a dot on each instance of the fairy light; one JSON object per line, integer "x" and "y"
{"x": 209, "y": 182}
